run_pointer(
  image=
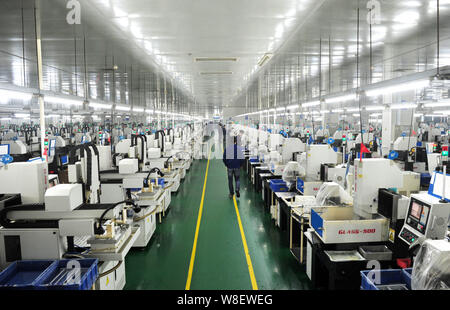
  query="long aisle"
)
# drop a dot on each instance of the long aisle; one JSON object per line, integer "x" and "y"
{"x": 220, "y": 260}
{"x": 163, "y": 264}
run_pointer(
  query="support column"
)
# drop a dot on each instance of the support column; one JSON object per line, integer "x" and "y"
{"x": 158, "y": 98}
{"x": 37, "y": 20}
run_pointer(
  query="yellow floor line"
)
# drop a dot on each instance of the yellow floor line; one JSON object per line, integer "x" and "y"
{"x": 247, "y": 253}
{"x": 244, "y": 242}
{"x": 199, "y": 219}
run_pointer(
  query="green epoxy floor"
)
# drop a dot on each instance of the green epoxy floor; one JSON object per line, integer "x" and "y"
{"x": 220, "y": 259}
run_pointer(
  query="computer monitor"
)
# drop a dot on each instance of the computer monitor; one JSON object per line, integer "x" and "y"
{"x": 4, "y": 149}
{"x": 64, "y": 160}
{"x": 418, "y": 214}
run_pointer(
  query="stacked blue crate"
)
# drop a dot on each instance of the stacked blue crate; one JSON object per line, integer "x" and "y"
{"x": 79, "y": 274}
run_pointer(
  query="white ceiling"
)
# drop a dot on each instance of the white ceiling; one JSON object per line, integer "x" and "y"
{"x": 176, "y": 32}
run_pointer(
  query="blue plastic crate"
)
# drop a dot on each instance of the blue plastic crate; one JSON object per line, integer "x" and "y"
{"x": 300, "y": 185}
{"x": 278, "y": 185}
{"x": 58, "y": 276}
{"x": 23, "y": 275}
{"x": 253, "y": 160}
{"x": 389, "y": 277}
{"x": 408, "y": 276}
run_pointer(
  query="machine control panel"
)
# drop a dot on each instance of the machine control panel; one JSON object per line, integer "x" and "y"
{"x": 408, "y": 236}
{"x": 426, "y": 217}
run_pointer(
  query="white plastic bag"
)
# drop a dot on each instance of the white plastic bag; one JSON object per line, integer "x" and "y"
{"x": 431, "y": 269}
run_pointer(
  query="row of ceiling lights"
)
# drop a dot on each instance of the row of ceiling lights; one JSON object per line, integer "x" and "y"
{"x": 372, "y": 92}
{"x": 7, "y": 94}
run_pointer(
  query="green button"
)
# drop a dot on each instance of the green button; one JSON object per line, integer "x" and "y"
{"x": 413, "y": 239}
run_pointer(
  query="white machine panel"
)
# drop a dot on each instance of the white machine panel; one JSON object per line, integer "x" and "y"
{"x": 104, "y": 153}
{"x": 370, "y": 175}
{"x": 34, "y": 244}
{"x": 112, "y": 193}
{"x": 132, "y": 183}
{"x": 405, "y": 143}
{"x": 63, "y": 197}
{"x": 128, "y": 166}
{"x": 76, "y": 227}
{"x": 123, "y": 146}
{"x": 30, "y": 180}
{"x": 154, "y": 153}
{"x": 317, "y": 155}
{"x": 157, "y": 163}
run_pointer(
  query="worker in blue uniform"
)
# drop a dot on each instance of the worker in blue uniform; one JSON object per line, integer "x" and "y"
{"x": 233, "y": 158}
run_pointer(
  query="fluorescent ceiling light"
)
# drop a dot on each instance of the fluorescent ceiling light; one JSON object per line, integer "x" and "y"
{"x": 280, "y": 109}
{"x": 216, "y": 73}
{"x": 337, "y": 110}
{"x": 123, "y": 22}
{"x": 398, "y": 88}
{"x": 341, "y": 98}
{"x": 412, "y": 4}
{"x": 11, "y": 94}
{"x": 401, "y": 27}
{"x": 375, "y": 108}
{"x": 311, "y": 104}
{"x": 447, "y": 112}
{"x": 122, "y": 108}
{"x": 97, "y": 105}
{"x": 135, "y": 109}
{"x": 65, "y": 101}
{"x": 407, "y": 17}
{"x": 5, "y": 119}
{"x": 437, "y": 104}
{"x": 264, "y": 59}
{"x": 216, "y": 59}
{"x": 293, "y": 107}
{"x": 352, "y": 109}
{"x": 403, "y": 106}
{"x": 21, "y": 115}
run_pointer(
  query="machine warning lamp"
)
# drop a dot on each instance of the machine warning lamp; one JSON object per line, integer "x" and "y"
{"x": 46, "y": 148}
{"x": 344, "y": 138}
{"x": 445, "y": 151}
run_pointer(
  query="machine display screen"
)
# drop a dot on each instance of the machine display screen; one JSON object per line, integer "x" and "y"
{"x": 64, "y": 160}
{"x": 416, "y": 210}
{"x": 418, "y": 215}
{"x": 4, "y": 149}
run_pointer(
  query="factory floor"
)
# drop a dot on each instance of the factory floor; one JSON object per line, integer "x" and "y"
{"x": 220, "y": 261}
